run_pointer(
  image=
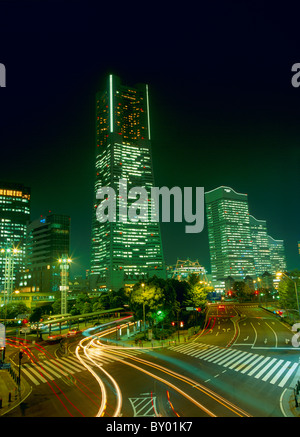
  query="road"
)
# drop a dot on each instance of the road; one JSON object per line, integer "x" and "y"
{"x": 237, "y": 366}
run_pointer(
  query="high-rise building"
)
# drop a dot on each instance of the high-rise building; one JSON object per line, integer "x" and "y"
{"x": 48, "y": 239}
{"x": 277, "y": 255}
{"x": 260, "y": 244}
{"x": 123, "y": 251}
{"x": 230, "y": 241}
{"x": 14, "y": 215}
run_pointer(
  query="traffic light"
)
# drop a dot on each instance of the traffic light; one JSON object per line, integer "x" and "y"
{"x": 173, "y": 323}
{"x": 181, "y": 324}
{"x": 20, "y": 355}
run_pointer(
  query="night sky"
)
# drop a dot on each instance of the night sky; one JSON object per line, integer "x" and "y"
{"x": 223, "y": 110}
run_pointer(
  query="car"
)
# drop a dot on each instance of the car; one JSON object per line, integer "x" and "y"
{"x": 54, "y": 338}
{"x": 72, "y": 333}
{"x": 221, "y": 307}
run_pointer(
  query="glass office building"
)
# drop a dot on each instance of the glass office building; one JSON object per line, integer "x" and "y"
{"x": 48, "y": 239}
{"x": 277, "y": 255}
{"x": 123, "y": 251}
{"x": 230, "y": 241}
{"x": 260, "y": 243}
{"x": 14, "y": 216}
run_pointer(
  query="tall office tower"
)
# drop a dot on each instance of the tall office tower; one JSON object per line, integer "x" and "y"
{"x": 123, "y": 252}
{"x": 14, "y": 215}
{"x": 48, "y": 239}
{"x": 229, "y": 236}
{"x": 260, "y": 242}
{"x": 277, "y": 255}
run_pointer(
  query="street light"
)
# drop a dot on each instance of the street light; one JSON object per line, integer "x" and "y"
{"x": 279, "y": 274}
{"x": 64, "y": 266}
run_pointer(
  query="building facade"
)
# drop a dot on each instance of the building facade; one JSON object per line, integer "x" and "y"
{"x": 123, "y": 251}
{"x": 230, "y": 241}
{"x": 277, "y": 255}
{"x": 260, "y": 244}
{"x": 48, "y": 239}
{"x": 14, "y": 216}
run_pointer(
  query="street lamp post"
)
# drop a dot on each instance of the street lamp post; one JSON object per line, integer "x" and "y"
{"x": 279, "y": 274}
{"x": 64, "y": 266}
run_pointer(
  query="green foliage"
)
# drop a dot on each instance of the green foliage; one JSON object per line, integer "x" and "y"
{"x": 242, "y": 291}
{"x": 11, "y": 310}
{"x": 287, "y": 290}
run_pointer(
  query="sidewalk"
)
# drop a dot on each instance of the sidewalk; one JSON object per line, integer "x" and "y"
{"x": 10, "y": 394}
{"x": 288, "y": 401}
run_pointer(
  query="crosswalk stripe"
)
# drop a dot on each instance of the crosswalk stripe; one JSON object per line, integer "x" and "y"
{"x": 45, "y": 373}
{"x": 182, "y": 347}
{"x": 57, "y": 366}
{"x": 218, "y": 355}
{"x": 205, "y": 356}
{"x": 240, "y": 360}
{"x": 252, "y": 357}
{"x": 72, "y": 364}
{"x": 278, "y": 374}
{"x": 229, "y": 357}
{"x": 35, "y": 381}
{"x": 215, "y": 354}
{"x": 225, "y": 353}
{"x": 260, "y": 357}
{"x": 258, "y": 366}
{"x": 206, "y": 353}
{"x": 60, "y": 366}
{"x": 264, "y": 369}
{"x": 58, "y": 375}
{"x": 267, "y": 376}
{"x": 74, "y": 361}
{"x": 233, "y": 359}
{"x": 37, "y": 374}
{"x": 63, "y": 366}
{"x": 194, "y": 352}
{"x": 68, "y": 366}
{"x": 287, "y": 375}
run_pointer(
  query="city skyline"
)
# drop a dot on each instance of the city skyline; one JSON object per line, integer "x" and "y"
{"x": 237, "y": 127}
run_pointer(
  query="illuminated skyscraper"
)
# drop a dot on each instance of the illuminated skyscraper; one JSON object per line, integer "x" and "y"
{"x": 260, "y": 243}
{"x": 123, "y": 253}
{"x": 14, "y": 215}
{"x": 230, "y": 242}
{"x": 48, "y": 239}
{"x": 277, "y": 255}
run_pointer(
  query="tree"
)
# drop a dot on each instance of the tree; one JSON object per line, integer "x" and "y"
{"x": 118, "y": 298}
{"x": 287, "y": 290}
{"x": 12, "y": 310}
{"x": 181, "y": 288}
{"x": 242, "y": 291}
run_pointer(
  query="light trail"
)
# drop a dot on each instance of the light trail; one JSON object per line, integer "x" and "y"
{"x": 227, "y": 404}
{"x": 96, "y": 347}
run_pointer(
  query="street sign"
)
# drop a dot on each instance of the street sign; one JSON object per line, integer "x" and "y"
{"x": 189, "y": 308}
{"x": 2, "y": 335}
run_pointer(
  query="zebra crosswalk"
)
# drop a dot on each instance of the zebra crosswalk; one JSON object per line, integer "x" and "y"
{"x": 48, "y": 370}
{"x": 268, "y": 369}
